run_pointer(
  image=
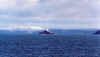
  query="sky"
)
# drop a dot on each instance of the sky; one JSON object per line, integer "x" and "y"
{"x": 64, "y": 14}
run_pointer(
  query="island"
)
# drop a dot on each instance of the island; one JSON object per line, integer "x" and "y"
{"x": 97, "y": 32}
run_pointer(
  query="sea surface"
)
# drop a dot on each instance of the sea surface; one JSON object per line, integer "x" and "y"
{"x": 66, "y": 43}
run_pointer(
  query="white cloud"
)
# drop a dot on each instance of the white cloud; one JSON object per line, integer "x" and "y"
{"x": 21, "y": 27}
{"x": 17, "y": 4}
{"x": 65, "y": 12}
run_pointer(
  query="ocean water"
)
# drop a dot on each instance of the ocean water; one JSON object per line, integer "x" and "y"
{"x": 67, "y": 43}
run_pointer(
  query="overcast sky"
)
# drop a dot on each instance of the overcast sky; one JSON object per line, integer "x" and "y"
{"x": 66, "y": 14}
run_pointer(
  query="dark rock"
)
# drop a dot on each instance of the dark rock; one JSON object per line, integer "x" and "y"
{"x": 97, "y": 32}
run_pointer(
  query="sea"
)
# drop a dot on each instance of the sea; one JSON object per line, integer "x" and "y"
{"x": 66, "y": 43}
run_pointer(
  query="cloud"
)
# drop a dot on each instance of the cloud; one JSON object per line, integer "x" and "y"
{"x": 70, "y": 12}
{"x": 77, "y": 9}
{"x": 21, "y": 27}
{"x": 64, "y": 12}
{"x": 17, "y": 4}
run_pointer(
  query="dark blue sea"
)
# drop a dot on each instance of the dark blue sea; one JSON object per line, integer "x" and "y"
{"x": 66, "y": 43}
